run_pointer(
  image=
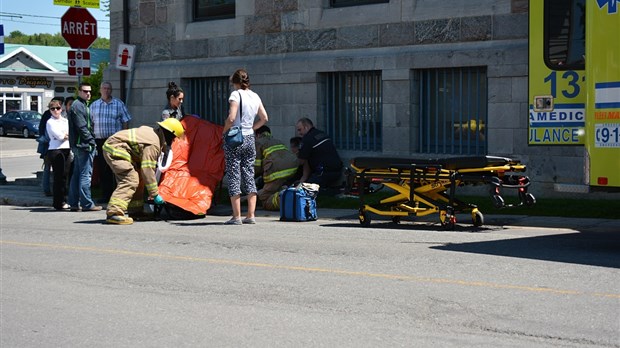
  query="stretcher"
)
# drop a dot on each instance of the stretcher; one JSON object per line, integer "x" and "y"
{"x": 428, "y": 186}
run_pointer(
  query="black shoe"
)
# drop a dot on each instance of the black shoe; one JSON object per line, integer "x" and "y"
{"x": 65, "y": 206}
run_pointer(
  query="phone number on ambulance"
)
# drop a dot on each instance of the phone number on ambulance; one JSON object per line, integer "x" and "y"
{"x": 607, "y": 135}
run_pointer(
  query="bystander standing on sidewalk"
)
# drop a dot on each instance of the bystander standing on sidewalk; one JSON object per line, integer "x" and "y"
{"x": 67, "y": 103}
{"x": 174, "y": 108}
{"x": 58, "y": 154}
{"x": 82, "y": 141}
{"x": 42, "y": 149}
{"x": 110, "y": 115}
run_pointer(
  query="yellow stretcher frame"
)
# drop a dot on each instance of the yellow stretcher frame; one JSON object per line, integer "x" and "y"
{"x": 422, "y": 186}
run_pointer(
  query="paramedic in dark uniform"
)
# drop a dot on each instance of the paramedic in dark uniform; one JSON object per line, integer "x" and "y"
{"x": 318, "y": 155}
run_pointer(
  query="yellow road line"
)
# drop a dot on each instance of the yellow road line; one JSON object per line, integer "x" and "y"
{"x": 313, "y": 269}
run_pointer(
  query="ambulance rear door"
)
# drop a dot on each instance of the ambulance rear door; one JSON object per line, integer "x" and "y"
{"x": 603, "y": 86}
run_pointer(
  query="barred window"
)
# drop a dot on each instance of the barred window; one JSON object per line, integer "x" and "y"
{"x": 213, "y": 9}
{"x": 451, "y": 110}
{"x": 353, "y": 109}
{"x": 208, "y": 98}
{"x": 347, "y": 3}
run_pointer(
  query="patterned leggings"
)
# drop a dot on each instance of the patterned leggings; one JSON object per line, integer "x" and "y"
{"x": 240, "y": 167}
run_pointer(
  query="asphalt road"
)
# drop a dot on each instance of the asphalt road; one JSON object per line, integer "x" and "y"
{"x": 70, "y": 280}
{"x": 19, "y": 157}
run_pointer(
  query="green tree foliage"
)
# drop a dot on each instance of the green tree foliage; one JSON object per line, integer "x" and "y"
{"x": 95, "y": 81}
{"x": 105, "y": 6}
{"x": 101, "y": 42}
{"x": 17, "y": 37}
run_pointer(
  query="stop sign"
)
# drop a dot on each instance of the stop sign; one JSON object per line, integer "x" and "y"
{"x": 79, "y": 27}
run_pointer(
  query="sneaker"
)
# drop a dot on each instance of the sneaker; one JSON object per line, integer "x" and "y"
{"x": 75, "y": 209}
{"x": 119, "y": 220}
{"x": 249, "y": 221}
{"x": 233, "y": 221}
{"x": 94, "y": 208}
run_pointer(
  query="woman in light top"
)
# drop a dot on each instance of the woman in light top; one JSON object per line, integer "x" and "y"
{"x": 59, "y": 153}
{"x": 240, "y": 160}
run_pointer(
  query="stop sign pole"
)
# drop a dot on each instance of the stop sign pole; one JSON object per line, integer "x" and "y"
{"x": 79, "y": 29}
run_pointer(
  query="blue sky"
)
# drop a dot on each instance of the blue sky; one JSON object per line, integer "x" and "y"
{"x": 42, "y": 16}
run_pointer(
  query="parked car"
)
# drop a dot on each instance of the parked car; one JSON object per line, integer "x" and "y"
{"x": 24, "y": 122}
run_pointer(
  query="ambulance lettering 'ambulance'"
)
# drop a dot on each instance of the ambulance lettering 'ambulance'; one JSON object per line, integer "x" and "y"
{"x": 554, "y": 135}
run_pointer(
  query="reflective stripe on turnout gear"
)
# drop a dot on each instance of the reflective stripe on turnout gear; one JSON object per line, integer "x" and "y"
{"x": 116, "y": 152}
{"x": 119, "y": 203}
{"x": 272, "y": 149}
{"x": 285, "y": 173}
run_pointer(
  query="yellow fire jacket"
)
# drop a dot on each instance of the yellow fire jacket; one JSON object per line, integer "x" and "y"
{"x": 273, "y": 159}
{"x": 140, "y": 146}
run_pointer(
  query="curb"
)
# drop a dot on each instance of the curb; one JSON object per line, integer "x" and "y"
{"x": 26, "y": 192}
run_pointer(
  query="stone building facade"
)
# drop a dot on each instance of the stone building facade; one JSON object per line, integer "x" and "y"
{"x": 294, "y": 50}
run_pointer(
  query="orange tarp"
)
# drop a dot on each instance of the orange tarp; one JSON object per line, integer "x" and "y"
{"x": 197, "y": 166}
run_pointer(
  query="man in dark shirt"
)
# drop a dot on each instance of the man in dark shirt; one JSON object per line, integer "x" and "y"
{"x": 83, "y": 146}
{"x": 318, "y": 155}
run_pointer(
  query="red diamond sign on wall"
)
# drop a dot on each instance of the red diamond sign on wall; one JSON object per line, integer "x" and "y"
{"x": 79, "y": 63}
{"x": 78, "y": 27}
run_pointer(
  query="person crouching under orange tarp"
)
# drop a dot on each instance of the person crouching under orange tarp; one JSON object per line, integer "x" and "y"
{"x": 197, "y": 167}
{"x": 130, "y": 150}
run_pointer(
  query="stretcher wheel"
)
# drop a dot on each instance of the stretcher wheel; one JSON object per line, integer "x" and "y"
{"x": 530, "y": 199}
{"x": 396, "y": 219}
{"x": 447, "y": 219}
{"x": 364, "y": 218}
{"x": 498, "y": 201}
{"x": 477, "y": 218}
{"x": 443, "y": 217}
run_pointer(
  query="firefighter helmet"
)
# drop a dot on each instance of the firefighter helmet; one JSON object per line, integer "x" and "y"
{"x": 173, "y": 125}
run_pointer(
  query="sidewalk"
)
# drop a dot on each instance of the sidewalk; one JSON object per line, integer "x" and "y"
{"x": 23, "y": 192}
{"x": 27, "y": 193}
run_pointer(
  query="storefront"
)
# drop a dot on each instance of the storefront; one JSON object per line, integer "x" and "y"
{"x": 32, "y": 75}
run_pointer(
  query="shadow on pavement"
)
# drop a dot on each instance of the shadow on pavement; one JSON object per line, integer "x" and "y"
{"x": 415, "y": 226}
{"x": 594, "y": 248}
{"x": 585, "y": 248}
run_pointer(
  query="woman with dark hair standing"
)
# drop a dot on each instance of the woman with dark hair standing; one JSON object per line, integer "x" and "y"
{"x": 245, "y": 105}
{"x": 174, "y": 108}
{"x": 67, "y": 103}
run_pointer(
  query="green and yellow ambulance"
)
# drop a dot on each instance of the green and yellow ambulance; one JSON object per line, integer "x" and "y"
{"x": 574, "y": 82}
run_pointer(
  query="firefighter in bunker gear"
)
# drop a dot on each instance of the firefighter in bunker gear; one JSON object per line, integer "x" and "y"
{"x": 132, "y": 154}
{"x": 276, "y": 164}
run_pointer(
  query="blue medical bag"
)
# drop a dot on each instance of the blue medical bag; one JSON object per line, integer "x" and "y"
{"x": 297, "y": 204}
